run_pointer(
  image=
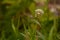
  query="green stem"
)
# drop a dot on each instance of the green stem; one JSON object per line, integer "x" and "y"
{"x": 53, "y": 30}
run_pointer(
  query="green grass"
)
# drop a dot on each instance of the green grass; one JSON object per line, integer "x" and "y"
{"x": 18, "y": 21}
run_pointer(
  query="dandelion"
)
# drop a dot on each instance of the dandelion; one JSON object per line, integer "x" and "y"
{"x": 38, "y": 12}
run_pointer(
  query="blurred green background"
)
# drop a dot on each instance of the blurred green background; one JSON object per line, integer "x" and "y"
{"x": 29, "y": 20}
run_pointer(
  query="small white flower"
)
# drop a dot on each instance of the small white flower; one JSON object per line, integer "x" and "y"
{"x": 38, "y": 12}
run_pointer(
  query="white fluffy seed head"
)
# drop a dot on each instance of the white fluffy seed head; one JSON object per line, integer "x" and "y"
{"x": 39, "y": 11}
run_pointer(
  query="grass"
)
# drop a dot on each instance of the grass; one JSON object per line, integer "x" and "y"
{"x": 18, "y": 22}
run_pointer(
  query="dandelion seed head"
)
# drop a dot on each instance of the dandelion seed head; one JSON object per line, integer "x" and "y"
{"x": 39, "y": 11}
